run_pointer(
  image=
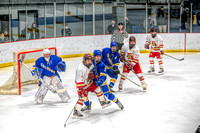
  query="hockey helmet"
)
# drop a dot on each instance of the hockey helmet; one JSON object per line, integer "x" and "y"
{"x": 153, "y": 30}
{"x": 97, "y": 53}
{"x": 132, "y": 41}
{"x": 87, "y": 57}
{"x": 113, "y": 44}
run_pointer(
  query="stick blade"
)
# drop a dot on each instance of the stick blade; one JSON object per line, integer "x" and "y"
{"x": 182, "y": 59}
{"x": 64, "y": 125}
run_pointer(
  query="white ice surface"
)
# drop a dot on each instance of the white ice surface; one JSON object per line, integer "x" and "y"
{"x": 170, "y": 105}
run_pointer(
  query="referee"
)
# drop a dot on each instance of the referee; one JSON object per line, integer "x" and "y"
{"x": 118, "y": 36}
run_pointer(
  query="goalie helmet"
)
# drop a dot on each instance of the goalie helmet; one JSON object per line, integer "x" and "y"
{"x": 87, "y": 57}
{"x": 46, "y": 51}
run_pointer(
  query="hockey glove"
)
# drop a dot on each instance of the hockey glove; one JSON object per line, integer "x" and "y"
{"x": 37, "y": 71}
{"x": 61, "y": 66}
{"x": 80, "y": 92}
{"x": 130, "y": 66}
{"x": 116, "y": 71}
{"x": 162, "y": 52}
{"x": 91, "y": 75}
{"x": 99, "y": 82}
{"x": 146, "y": 46}
{"x": 122, "y": 58}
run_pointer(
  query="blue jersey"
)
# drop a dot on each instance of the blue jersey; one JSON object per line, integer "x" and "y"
{"x": 49, "y": 69}
{"x": 100, "y": 72}
{"x": 110, "y": 59}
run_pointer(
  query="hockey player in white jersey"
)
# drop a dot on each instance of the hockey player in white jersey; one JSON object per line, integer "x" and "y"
{"x": 130, "y": 57}
{"x": 47, "y": 68}
{"x": 155, "y": 43}
{"x": 84, "y": 83}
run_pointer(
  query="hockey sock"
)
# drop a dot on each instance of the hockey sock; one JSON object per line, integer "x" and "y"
{"x": 87, "y": 102}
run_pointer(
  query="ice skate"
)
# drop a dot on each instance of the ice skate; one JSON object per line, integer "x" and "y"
{"x": 151, "y": 70}
{"x": 77, "y": 114}
{"x": 161, "y": 71}
{"x": 105, "y": 104}
{"x": 87, "y": 108}
{"x": 120, "y": 87}
{"x": 120, "y": 105}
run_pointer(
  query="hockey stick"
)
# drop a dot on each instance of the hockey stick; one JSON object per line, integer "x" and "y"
{"x": 174, "y": 57}
{"x": 134, "y": 73}
{"x": 128, "y": 79}
{"x": 39, "y": 78}
{"x": 65, "y": 124}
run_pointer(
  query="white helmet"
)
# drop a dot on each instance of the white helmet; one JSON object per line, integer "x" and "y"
{"x": 46, "y": 51}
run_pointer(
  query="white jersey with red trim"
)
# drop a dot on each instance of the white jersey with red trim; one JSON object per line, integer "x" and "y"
{"x": 155, "y": 43}
{"x": 131, "y": 55}
{"x": 81, "y": 77}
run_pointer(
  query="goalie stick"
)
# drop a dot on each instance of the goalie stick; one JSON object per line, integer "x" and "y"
{"x": 174, "y": 57}
{"x": 40, "y": 79}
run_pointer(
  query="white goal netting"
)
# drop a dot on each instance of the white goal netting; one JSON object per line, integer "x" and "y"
{"x": 21, "y": 75}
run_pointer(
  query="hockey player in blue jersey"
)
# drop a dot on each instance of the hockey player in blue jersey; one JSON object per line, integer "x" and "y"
{"x": 47, "y": 68}
{"x": 110, "y": 58}
{"x": 101, "y": 76}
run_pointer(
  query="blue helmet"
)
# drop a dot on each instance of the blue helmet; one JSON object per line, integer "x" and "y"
{"x": 113, "y": 44}
{"x": 97, "y": 52}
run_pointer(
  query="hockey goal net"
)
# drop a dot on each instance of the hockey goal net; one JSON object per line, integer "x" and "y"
{"x": 21, "y": 75}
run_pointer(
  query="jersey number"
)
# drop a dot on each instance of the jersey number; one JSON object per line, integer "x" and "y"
{"x": 154, "y": 43}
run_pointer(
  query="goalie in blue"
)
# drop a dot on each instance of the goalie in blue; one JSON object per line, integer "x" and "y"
{"x": 110, "y": 58}
{"x": 47, "y": 68}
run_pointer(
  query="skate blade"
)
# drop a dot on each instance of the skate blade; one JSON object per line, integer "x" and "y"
{"x": 105, "y": 106}
{"x": 77, "y": 117}
{"x": 152, "y": 73}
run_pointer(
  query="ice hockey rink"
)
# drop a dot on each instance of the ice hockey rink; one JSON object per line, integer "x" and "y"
{"x": 171, "y": 103}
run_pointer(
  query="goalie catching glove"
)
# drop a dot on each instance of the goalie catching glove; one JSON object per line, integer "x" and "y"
{"x": 61, "y": 66}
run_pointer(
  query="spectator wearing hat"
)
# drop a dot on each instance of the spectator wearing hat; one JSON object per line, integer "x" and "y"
{"x": 119, "y": 35}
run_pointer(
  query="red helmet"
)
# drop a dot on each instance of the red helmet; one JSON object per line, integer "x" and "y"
{"x": 132, "y": 38}
{"x": 87, "y": 57}
{"x": 153, "y": 29}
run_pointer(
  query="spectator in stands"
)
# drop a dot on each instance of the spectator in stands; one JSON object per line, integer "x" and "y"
{"x": 162, "y": 20}
{"x": 185, "y": 19}
{"x": 150, "y": 24}
{"x": 6, "y": 36}
{"x": 119, "y": 35}
{"x": 34, "y": 32}
{"x": 1, "y": 37}
{"x": 112, "y": 27}
{"x": 128, "y": 25}
{"x": 67, "y": 31}
{"x": 25, "y": 34}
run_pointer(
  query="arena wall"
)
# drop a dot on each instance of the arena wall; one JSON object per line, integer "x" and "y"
{"x": 77, "y": 45}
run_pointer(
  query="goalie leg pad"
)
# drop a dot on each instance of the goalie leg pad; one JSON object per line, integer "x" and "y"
{"x": 62, "y": 92}
{"x": 42, "y": 91}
